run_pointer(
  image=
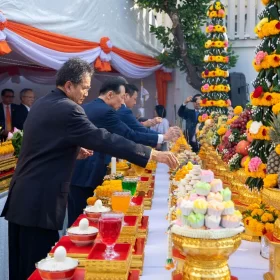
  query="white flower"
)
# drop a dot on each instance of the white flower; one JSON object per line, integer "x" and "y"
{"x": 231, "y": 138}
{"x": 206, "y": 58}
{"x": 255, "y": 126}
{"x": 268, "y": 83}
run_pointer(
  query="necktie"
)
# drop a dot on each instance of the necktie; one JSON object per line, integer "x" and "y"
{"x": 196, "y": 114}
{"x": 8, "y": 119}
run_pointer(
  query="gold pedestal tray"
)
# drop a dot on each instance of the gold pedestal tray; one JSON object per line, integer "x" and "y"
{"x": 274, "y": 258}
{"x": 5, "y": 182}
{"x": 206, "y": 258}
{"x": 143, "y": 229}
{"x": 148, "y": 200}
{"x": 138, "y": 255}
{"x": 250, "y": 236}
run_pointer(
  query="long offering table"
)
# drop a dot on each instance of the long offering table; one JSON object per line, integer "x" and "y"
{"x": 245, "y": 264}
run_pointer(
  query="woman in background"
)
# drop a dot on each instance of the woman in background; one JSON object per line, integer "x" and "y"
{"x": 162, "y": 127}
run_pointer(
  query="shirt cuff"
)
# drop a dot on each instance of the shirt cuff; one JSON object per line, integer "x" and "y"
{"x": 184, "y": 104}
{"x": 160, "y": 139}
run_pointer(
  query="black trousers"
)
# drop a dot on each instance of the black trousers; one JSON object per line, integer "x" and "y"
{"x": 27, "y": 246}
{"x": 195, "y": 146}
{"x": 77, "y": 202}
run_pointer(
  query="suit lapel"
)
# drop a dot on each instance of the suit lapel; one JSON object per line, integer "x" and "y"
{"x": 2, "y": 116}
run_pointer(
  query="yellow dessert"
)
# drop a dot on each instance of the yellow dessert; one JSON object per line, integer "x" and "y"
{"x": 108, "y": 187}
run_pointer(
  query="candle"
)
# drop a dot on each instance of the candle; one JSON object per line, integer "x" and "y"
{"x": 113, "y": 165}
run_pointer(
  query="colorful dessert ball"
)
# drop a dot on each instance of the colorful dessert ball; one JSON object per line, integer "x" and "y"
{"x": 232, "y": 221}
{"x": 216, "y": 185}
{"x": 196, "y": 220}
{"x": 229, "y": 207}
{"x": 212, "y": 222}
{"x": 226, "y": 193}
{"x": 200, "y": 206}
{"x": 207, "y": 176}
{"x": 214, "y": 196}
{"x": 215, "y": 208}
{"x": 202, "y": 188}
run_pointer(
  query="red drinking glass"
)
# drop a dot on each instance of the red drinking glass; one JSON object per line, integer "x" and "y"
{"x": 110, "y": 224}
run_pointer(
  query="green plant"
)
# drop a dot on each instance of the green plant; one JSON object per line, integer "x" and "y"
{"x": 17, "y": 141}
{"x": 184, "y": 40}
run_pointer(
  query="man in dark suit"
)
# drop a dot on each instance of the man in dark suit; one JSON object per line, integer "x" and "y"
{"x": 8, "y": 120}
{"x": 27, "y": 98}
{"x": 37, "y": 199}
{"x": 89, "y": 173}
{"x": 126, "y": 115}
{"x": 191, "y": 118}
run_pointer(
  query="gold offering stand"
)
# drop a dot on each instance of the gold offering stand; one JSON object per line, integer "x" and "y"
{"x": 272, "y": 198}
{"x": 6, "y": 172}
{"x": 206, "y": 259}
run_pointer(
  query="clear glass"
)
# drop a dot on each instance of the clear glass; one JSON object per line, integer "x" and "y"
{"x": 130, "y": 184}
{"x": 264, "y": 248}
{"x": 120, "y": 201}
{"x": 110, "y": 225}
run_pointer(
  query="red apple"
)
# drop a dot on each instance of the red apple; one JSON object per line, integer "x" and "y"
{"x": 242, "y": 147}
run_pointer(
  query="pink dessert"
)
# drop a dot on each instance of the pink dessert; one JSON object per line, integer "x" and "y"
{"x": 207, "y": 176}
{"x": 215, "y": 196}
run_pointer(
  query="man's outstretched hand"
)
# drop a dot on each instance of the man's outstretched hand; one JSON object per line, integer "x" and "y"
{"x": 152, "y": 122}
{"x": 172, "y": 134}
{"x": 84, "y": 153}
{"x": 165, "y": 157}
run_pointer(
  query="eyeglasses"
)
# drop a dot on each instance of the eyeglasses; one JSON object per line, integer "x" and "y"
{"x": 9, "y": 96}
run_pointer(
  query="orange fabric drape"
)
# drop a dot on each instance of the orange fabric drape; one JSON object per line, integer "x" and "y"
{"x": 4, "y": 48}
{"x": 162, "y": 79}
{"x": 67, "y": 44}
{"x": 51, "y": 40}
{"x": 102, "y": 66}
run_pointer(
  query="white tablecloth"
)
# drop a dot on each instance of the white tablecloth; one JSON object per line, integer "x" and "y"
{"x": 245, "y": 264}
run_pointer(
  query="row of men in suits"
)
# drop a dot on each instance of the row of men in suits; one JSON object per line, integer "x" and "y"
{"x": 13, "y": 115}
{"x": 112, "y": 112}
{"x": 38, "y": 194}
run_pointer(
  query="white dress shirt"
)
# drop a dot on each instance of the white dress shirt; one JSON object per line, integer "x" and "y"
{"x": 28, "y": 108}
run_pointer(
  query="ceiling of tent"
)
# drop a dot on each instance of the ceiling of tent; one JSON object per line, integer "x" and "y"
{"x": 125, "y": 25}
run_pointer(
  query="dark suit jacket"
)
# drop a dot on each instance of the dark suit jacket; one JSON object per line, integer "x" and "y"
{"x": 20, "y": 116}
{"x": 191, "y": 120}
{"x": 90, "y": 172}
{"x": 14, "y": 110}
{"x": 126, "y": 116}
{"x": 39, "y": 188}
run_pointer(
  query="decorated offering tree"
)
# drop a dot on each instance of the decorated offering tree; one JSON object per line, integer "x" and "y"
{"x": 265, "y": 98}
{"x": 215, "y": 86}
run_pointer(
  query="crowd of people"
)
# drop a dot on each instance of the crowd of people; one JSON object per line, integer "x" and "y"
{"x": 13, "y": 115}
